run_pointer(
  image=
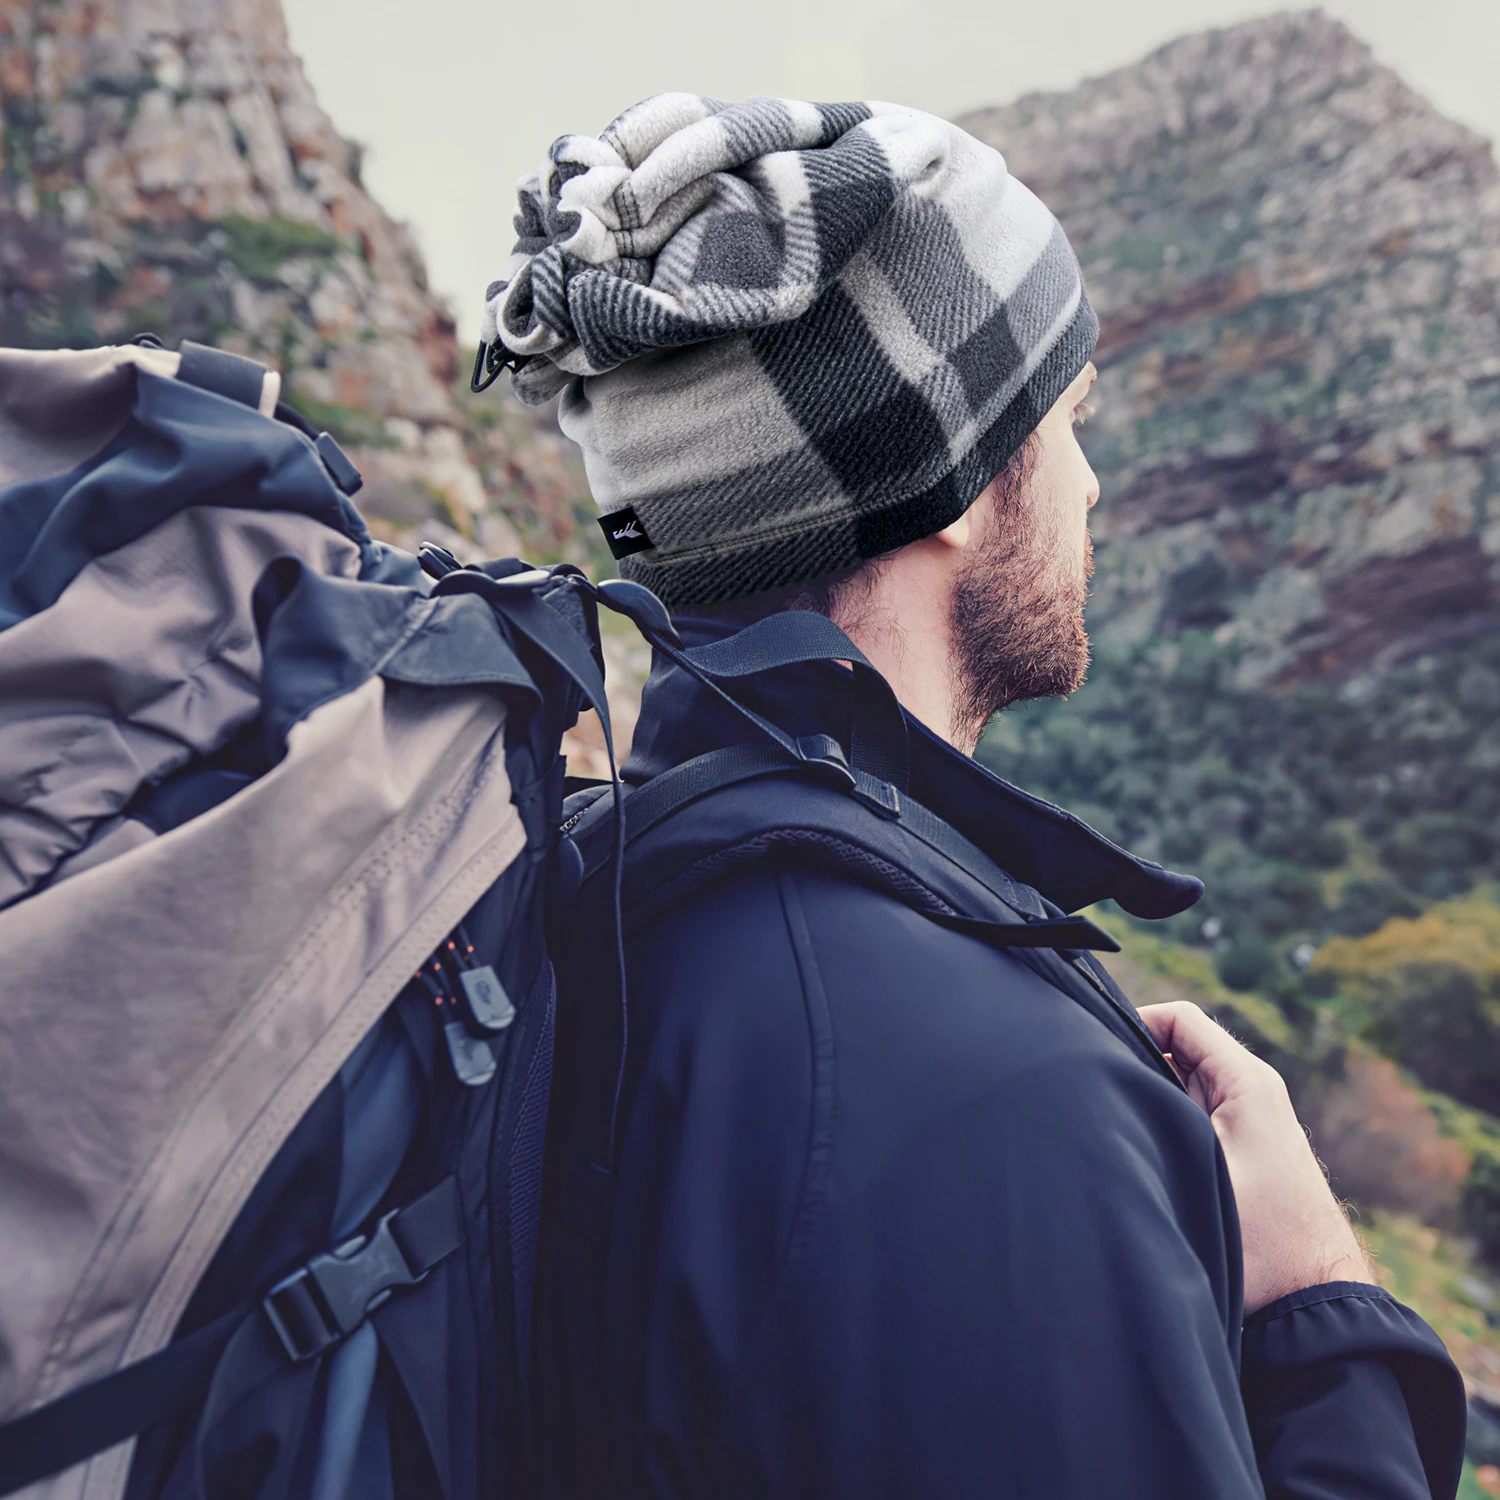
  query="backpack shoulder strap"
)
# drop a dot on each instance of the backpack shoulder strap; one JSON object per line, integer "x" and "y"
{"x": 687, "y": 826}
{"x": 730, "y": 807}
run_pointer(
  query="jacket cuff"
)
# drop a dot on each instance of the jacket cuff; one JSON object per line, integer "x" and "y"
{"x": 1328, "y": 1291}
{"x": 1344, "y": 1373}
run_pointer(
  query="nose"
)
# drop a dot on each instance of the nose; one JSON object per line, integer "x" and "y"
{"x": 1093, "y": 491}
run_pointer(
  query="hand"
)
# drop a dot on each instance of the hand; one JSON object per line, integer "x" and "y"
{"x": 1294, "y": 1232}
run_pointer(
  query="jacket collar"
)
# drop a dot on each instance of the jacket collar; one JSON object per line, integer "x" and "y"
{"x": 1039, "y": 844}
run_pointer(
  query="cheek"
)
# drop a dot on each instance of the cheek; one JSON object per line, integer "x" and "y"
{"x": 1073, "y": 503}
{"x": 1061, "y": 483}
{"x": 1064, "y": 529}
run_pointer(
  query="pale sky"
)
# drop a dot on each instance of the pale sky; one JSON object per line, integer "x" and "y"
{"x": 456, "y": 98}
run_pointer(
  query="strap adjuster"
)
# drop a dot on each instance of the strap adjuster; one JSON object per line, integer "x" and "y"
{"x": 823, "y": 754}
{"x": 879, "y": 796}
{"x": 328, "y": 1298}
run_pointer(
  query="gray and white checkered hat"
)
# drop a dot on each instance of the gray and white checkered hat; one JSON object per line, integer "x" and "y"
{"x": 788, "y": 336}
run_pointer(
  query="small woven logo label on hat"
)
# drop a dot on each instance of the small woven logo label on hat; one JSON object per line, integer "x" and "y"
{"x": 623, "y": 531}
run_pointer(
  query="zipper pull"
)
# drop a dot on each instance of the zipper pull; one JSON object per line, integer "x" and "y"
{"x": 473, "y": 1059}
{"x": 489, "y": 1007}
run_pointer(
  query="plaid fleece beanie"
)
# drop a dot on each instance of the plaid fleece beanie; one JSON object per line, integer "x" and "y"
{"x": 789, "y": 337}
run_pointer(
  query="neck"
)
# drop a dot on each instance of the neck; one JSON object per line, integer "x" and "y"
{"x": 904, "y": 628}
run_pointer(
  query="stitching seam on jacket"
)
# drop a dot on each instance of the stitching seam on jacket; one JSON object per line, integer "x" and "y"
{"x": 811, "y": 1196}
{"x": 1366, "y": 1293}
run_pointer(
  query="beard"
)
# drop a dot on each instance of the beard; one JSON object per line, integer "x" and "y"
{"x": 1017, "y": 617}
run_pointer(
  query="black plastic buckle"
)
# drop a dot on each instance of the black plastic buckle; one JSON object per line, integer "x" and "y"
{"x": 824, "y": 754}
{"x": 437, "y": 562}
{"x": 639, "y": 605}
{"x": 329, "y": 1297}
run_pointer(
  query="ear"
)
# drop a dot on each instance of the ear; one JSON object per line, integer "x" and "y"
{"x": 957, "y": 534}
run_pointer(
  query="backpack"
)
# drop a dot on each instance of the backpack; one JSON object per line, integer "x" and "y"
{"x": 279, "y": 821}
{"x": 285, "y": 848}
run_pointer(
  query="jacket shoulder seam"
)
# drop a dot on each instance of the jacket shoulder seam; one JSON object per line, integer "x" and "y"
{"x": 821, "y": 1127}
{"x": 812, "y": 1194}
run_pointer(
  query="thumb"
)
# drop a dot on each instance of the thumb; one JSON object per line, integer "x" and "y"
{"x": 1215, "y": 1067}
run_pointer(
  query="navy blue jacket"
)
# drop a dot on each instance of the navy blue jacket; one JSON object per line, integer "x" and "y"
{"x": 895, "y": 1217}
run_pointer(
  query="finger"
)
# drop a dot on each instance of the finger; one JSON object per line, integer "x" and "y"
{"x": 1188, "y": 1033}
{"x": 1172, "y": 1061}
{"x": 1204, "y": 1052}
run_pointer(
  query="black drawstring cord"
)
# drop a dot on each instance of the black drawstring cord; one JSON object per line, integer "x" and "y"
{"x": 619, "y": 884}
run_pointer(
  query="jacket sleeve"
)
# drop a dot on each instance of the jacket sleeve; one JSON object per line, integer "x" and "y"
{"x": 1031, "y": 1298}
{"x": 1350, "y": 1393}
{"x": 1013, "y": 1264}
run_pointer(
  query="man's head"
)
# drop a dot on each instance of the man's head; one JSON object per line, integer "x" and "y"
{"x": 793, "y": 340}
{"x": 988, "y": 611}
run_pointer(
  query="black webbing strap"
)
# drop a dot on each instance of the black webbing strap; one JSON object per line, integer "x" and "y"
{"x": 667, "y": 793}
{"x": 224, "y": 374}
{"x": 878, "y": 750}
{"x": 1069, "y": 933}
{"x": 515, "y": 600}
{"x": 339, "y": 1289}
{"x": 717, "y": 770}
{"x": 95, "y": 1417}
{"x": 878, "y": 743}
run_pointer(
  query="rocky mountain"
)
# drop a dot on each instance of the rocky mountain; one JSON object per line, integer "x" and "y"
{"x": 165, "y": 166}
{"x": 1296, "y": 262}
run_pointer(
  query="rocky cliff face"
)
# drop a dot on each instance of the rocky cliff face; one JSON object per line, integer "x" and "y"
{"x": 1296, "y": 262}
{"x": 166, "y": 167}
{"x": 1297, "y": 268}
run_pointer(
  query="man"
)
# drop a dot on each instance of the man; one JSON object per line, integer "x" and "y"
{"x": 889, "y": 1213}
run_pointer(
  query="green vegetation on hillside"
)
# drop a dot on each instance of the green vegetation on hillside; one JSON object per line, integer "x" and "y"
{"x": 1309, "y": 814}
{"x": 1420, "y": 1169}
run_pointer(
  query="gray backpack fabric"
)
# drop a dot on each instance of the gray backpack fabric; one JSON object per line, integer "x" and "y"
{"x": 277, "y": 822}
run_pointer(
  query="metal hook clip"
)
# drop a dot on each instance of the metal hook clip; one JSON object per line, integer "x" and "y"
{"x": 489, "y": 361}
